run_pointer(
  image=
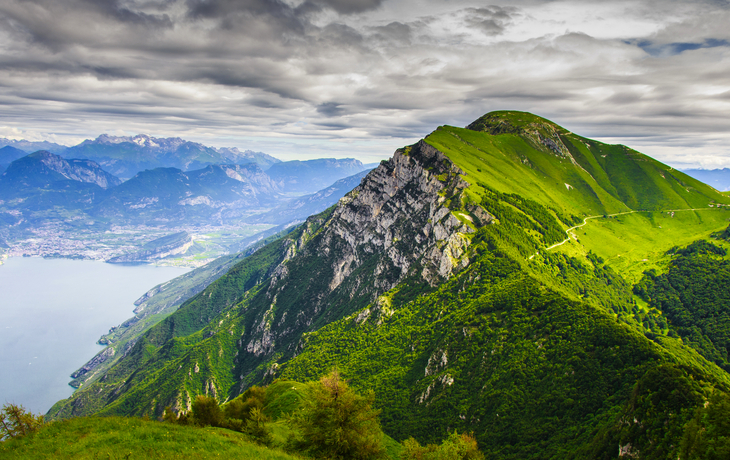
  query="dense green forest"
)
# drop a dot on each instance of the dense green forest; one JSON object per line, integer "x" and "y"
{"x": 693, "y": 295}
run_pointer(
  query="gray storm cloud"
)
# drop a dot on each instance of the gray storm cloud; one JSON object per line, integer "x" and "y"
{"x": 362, "y": 77}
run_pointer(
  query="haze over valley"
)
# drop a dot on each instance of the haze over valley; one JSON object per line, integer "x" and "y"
{"x": 73, "y": 205}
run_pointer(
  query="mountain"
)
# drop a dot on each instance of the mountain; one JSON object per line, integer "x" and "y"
{"x": 8, "y": 154}
{"x": 718, "y": 178}
{"x": 210, "y": 196}
{"x": 43, "y": 169}
{"x": 126, "y": 155}
{"x": 162, "y": 300}
{"x": 33, "y": 146}
{"x": 310, "y": 176}
{"x": 300, "y": 208}
{"x": 481, "y": 280}
{"x": 43, "y": 181}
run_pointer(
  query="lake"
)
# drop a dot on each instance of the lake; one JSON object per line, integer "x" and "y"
{"x": 52, "y": 312}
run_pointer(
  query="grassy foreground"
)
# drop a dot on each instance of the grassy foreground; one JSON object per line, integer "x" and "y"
{"x": 116, "y": 438}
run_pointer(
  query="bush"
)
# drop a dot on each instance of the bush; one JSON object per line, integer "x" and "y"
{"x": 206, "y": 411}
{"x": 15, "y": 422}
{"x": 240, "y": 408}
{"x": 455, "y": 447}
{"x": 337, "y": 423}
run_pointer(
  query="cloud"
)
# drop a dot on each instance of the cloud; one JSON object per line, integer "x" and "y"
{"x": 308, "y": 77}
{"x": 490, "y": 20}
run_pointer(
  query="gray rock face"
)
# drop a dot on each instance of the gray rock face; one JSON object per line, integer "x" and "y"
{"x": 395, "y": 224}
{"x": 399, "y": 212}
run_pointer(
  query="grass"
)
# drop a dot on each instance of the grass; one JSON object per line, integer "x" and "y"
{"x": 116, "y": 438}
{"x": 632, "y": 243}
{"x": 586, "y": 178}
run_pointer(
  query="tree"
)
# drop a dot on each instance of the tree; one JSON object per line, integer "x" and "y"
{"x": 15, "y": 422}
{"x": 707, "y": 435}
{"x": 337, "y": 423}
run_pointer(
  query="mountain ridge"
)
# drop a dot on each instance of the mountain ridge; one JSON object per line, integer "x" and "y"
{"x": 127, "y": 155}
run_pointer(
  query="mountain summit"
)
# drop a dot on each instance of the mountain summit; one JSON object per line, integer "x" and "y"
{"x": 124, "y": 156}
{"x": 453, "y": 283}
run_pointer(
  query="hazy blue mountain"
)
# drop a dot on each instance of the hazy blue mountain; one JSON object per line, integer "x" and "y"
{"x": 125, "y": 156}
{"x": 8, "y": 154}
{"x": 304, "y": 206}
{"x": 310, "y": 176}
{"x": 42, "y": 180}
{"x": 718, "y": 178}
{"x": 212, "y": 195}
{"x": 32, "y": 146}
{"x": 43, "y": 169}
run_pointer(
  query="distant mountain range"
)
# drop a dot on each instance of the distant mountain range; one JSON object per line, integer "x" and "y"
{"x": 8, "y": 154}
{"x": 307, "y": 205}
{"x": 42, "y": 181}
{"x": 42, "y": 187}
{"x": 31, "y": 146}
{"x": 216, "y": 194}
{"x": 125, "y": 156}
{"x": 312, "y": 175}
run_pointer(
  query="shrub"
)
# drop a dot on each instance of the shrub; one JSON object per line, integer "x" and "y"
{"x": 206, "y": 411}
{"x": 240, "y": 408}
{"x": 455, "y": 447}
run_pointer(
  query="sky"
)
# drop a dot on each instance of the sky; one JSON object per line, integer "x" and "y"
{"x": 359, "y": 78}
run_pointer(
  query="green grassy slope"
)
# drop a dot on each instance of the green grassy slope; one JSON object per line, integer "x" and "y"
{"x": 543, "y": 353}
{"x": 141, "y": 438}
{"x": 126, "y": 438}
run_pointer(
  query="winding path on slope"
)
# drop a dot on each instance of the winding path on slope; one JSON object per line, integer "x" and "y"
{"x": 585, "y": 221}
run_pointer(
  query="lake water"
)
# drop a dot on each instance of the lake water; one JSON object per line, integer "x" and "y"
{"x": 52, "y": 312}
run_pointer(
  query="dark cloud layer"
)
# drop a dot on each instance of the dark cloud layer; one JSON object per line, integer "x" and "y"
{"x": 362, "y": 77}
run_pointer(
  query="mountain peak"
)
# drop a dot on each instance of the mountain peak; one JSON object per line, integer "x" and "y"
{"x": 142, "y": 140}
{"x": 43, "y": 169}
{"x": 513, "y": 122}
